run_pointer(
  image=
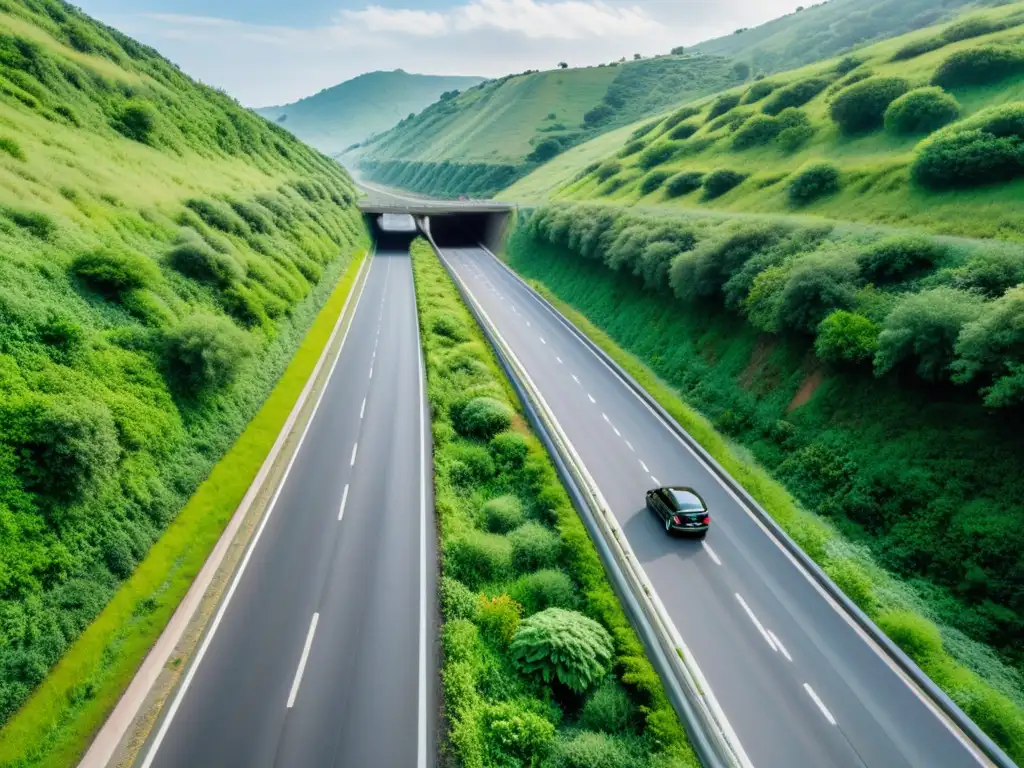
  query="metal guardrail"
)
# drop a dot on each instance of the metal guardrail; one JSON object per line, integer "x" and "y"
{"x": 970, "y": 729}
{"x": 686, "y": 688}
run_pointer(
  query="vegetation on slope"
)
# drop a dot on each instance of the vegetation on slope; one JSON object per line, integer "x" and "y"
{"x": 483, "y": 139}
{"x": 338, "y": 117}
{"x": 164, "y": 252}
{"x": 860, "y": 369}
{"x": 828, "y": 29}
{"x": 906, "y": 141}
{"x": 540, "y": 665}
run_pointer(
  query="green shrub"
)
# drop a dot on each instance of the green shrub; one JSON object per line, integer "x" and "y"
{"x": 918, "y": 48}
{"x": 717, "y": 183}
{"x": 723, "y": 104}
{"x": 11, "y": 147}
{"x": 563, "y": 645}
{"x": 897, "y": 258}
{"x": 509, "y": 450}
{"x": 993, "y": 346}
{"x": 915, "y": 635}
{"x": 113, "y": 273}
{"x": 193, "y": 258}
{"x": 69, "y": 444}
{"x": 976, "y": 26}
{"x": 925, "y": 326}
{"x": 632, "y": 148}
{"x": 992, "y": 271}
{"x": 986, "y": 148}
{"x": 503, "y": 514}
{"x": 795, "y": 137}
{"x": 137, "y": 121}
{"x": 593, "y": 750}
{"x": 814, "y": 288}
{"x": 476, "y": 558}
{"x": 607, "y": 170}
{"x": 36, "y": 223}
{"x": 653, "y": 181}
{"x": 607, "y": 709}
{"x": 795, "y": 95}
{"x": 643, "y": 130}
{"x": 498, "y": 618}
{"x": 813, "y": 183}
{"x": 756, "y": 132}
{"x": 469, "y": 464}
{"x": 457, "y": 600}
{"x": 257, "y": 220}
{"x": 855, "y": 583}
{"x": 513, "y": 731}
{"x": 656, "y": 155}
{"x": 546, "y": 588}
{"x": 684, "y": 183}
{"x": 683, "y": 131}
{"x": 847, "y": 64}
{"x": 705, "y": 271}
{"x": 204, "y": 352}
{"x": 758, "y": 91}
{"x": 685, "y": 113}
{"x": 979, "y": 66}
{"x": 218, "y": 216}
{"x": 534, "y": 547}
{"x": 447, "y": 324}
{"x": 545, "y": 150}
{"x": 862, "y": 106}
{"x": 599, "y": 114}
{"x": 482, "y": 417}
{"x": 846, "y": 337}
{"x": 922, "y": 110}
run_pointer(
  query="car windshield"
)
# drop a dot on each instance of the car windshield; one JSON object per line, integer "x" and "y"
{"x": 686, "y": 501}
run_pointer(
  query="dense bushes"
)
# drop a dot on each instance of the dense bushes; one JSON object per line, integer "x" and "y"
{"x": 683, "y": 131}
{"x": 862, "y": 106}
{"x": 986, "y": 148}
{"x": 684, "y": 183}
{"x": 898, "y": 258}
{"x": 717, "y": 183}
{"x": 547, "y": 628}
{"x": 846, "y": 337}
{"x": 114, "y": 273}
{"x": 979, "y": 66}
{"x": 482, "y": 417}
{"x": 758, "y": 91}
{"x": 922, "y": 110}
{"x": 653, "y": 181}
{"x": 656, "y": 155}
{"x": 722, "y": 105}
{"x": 992, "y": 345}
{"x": 812, "y": 183}
{"x": 795, "y": 95}
{"x": 918, "y": 48}
{"x": 137, "y": 121}
{"x": 193, "y": 258}
{"x": 205, "y": 352}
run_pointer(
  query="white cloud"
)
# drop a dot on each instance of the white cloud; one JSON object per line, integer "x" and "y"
{"x": 562, "y": 19}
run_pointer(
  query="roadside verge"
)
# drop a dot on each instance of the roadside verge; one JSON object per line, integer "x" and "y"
{"x": 132, "y": 654}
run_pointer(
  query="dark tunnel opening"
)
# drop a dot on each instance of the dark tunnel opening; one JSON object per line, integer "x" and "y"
{"x": 461, "y": 230}
{"x": 389, "y": 240}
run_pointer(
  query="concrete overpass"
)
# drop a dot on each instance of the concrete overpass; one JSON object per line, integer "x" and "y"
{"x": 453, "y": 222}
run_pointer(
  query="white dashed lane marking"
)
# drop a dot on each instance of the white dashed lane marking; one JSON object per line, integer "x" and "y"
{"x": 711, "y": 552}
{"x": 820, "y": 703}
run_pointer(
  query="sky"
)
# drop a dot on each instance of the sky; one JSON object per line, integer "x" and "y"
{"x": 266, "y": 52}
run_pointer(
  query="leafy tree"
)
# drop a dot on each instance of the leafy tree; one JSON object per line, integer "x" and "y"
{"x": 637, "y": 57}
{"x": 992, "y": 346}
{"x": 678, "y": 50}
{"x": 563, "y": 65}
{"x": 846, "y": 337}
{"x": 862, "y": 106}
{"x": 562, "y": 645}
{"x": 992, "y": 271}
{"x": 816, "y": 286}
{"x": 205, "y": 352}
{"x": 740, "y": 70}
{"x": 899, "y": 257}
{"x": 545, "y": 151}
{"x": 922, "y": 110}
{"x": 925, "y": 326}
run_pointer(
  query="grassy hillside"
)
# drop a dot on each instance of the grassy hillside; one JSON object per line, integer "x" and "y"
{"x": 164, "y": 251}
{"x": 483, "y": 139}
{"x": 910, "y": 132}
{"x": 338, "y": 117}
{"x": 823, "y": 30}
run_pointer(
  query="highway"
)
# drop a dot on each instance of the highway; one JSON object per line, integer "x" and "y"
{"x": 323, "y": 651}
{"x": 799, "y": 684}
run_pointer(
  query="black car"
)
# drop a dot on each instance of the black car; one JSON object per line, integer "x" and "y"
{"x": 681, "y": 509}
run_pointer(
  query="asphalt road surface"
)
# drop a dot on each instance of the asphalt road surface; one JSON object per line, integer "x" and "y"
{"x": 799, "y": 684}
{"x": 323, "y": 655}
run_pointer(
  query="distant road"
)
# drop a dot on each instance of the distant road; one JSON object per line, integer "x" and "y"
{"x": 799, "y": 684}
{"x": 324, "y": 653}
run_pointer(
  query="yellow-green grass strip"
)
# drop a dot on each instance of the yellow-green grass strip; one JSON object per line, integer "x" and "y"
{"x": 57, "y": 723}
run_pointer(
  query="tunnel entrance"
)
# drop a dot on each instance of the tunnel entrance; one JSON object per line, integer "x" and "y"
{"x": 392, "y": 232}
{"x": 461, "y": 230}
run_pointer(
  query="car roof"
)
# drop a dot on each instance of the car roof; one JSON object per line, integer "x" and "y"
{"x": 683, "y": 494}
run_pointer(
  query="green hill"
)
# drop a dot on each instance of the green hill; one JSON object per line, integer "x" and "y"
{"x": 760, "y": 139}
{"x": 164, "y": 252}
{"x": 489, "y": 135}
{"x": 338, "y": 117}
{"x": 828, "y": 29}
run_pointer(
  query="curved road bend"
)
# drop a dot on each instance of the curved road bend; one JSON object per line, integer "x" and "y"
{"x": 344, "y": 543}
{"x": 798, "y": 683}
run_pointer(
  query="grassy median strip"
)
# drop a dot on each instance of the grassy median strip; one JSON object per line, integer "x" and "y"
{"x": 57, "y": 723}
{"x": 541, "y": 666}
{"x": 890, "y": 603}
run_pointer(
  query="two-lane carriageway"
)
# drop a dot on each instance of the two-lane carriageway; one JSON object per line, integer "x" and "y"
{"x": 322, "y": 651}
{"x": 799, "y": 684}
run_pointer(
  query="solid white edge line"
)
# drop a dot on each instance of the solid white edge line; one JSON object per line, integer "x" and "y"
{"x": 355, "y": 448}
{"x": 421, "y": 735}
{"x": 344, "y": 500}
{"x": 781, "y": 646}
{"x": 711, "y": 552}
{"x": 820, "y": 703}
{"x": 758, "y": 624}
{"x": 931, "y": 706}
{"x": 302, "y": 661}
{"x": 190, "y": 675}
